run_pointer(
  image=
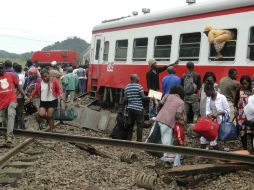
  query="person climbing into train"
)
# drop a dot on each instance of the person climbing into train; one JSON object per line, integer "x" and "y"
{"x": 153, "y": 83}
{"x": 8, "y": 85}
{"x": 49, "y": 91}
{"x": 218, "y": 37}
{"x": 134, "y": 94}
{"x": 171, "y": 113}
{"x": 191, "y": 82}
{"x": 228, "y": 87}
{"x": 241, "y": 100}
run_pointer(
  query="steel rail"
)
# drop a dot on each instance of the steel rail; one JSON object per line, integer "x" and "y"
{"x": 138, "y": 145}
{"x": 6, "y": 157}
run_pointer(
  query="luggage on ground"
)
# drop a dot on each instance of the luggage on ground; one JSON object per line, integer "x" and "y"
{"x": 207, "y": 128}
{"x": 227, "y": 131}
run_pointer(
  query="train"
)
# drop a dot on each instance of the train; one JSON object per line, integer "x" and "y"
{"x": 123, "y": 46}
{"x": 44, "y": 58}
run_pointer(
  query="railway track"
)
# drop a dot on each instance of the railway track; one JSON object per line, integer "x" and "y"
{"x": 138, "y": 145}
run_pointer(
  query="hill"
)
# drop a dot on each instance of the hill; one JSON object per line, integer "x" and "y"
{"x": 72, "y": 43}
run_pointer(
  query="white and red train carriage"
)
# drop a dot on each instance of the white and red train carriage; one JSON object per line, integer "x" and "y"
{"x": 123, "y": 47}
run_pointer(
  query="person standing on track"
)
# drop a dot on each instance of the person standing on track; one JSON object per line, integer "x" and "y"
{"x": 134, "y": 94}
{"x": 49, "y": 91}
{"x": 70, "y": 84}
{"x": 8, "y": 84}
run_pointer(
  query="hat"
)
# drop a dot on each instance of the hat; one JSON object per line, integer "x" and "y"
{"x": 53, "y": 63}
{"x": 151, "y": 61}
{"x": 207, "y": 28}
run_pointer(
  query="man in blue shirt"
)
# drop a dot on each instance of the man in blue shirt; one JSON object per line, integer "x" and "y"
{"x": 170, "y": 80}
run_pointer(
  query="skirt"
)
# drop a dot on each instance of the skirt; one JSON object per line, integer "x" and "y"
{"x": 49, "y": 104}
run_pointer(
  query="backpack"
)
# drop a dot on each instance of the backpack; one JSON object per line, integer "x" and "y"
{"x": 189, "y": 86}
{"x": 81, "y": 73}
{"x": 120, "y": 130}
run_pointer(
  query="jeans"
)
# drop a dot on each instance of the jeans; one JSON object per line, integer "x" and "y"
{"x": 138, "y": 117}
{"x": 19, "y": 118}
{"x": 7, "y": 116}
{"x": 153, "y": 111}
{"x": 82, "y": 85}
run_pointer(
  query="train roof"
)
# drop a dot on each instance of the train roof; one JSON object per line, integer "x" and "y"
{"x": 181, "y": 11}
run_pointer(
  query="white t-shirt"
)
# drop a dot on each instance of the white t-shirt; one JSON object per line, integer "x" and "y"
{"x": 46, "y": 95}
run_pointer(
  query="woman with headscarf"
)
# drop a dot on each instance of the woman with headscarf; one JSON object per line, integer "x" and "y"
{"x": 218, "y": 37}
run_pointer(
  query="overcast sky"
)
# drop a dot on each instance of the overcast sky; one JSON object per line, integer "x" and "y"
{"x": 29, "y": 25}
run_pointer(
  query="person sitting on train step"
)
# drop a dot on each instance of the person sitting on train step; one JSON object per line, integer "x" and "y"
{"x": 218, "y": 37}
{"x": 191, "y": 82}
{"x": 134, "y": 94}
{"x": 8, "y": 103}
{"x": 228, "y": 87}
{"x": 70, "y": 83}
{"x": 170, "y": 80}
{"x": 172, "y": 111}
{"x": 216, "y": 108}
{"x": 152, "y": 79}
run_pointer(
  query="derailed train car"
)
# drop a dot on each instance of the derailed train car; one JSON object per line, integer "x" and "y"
{"x": 122, "y": 47}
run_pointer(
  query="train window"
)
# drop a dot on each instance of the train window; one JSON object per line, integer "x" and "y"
{"x": 121, "y": 50}
{"x": 106, "y": 50}
{"x": 251, "y": 45}
{"x": 228, "y": 50}
{"x": 190, "y": 46}
{"x": 162, "y": 48}
{"x": 140, "y": 49}
{"x": 98, "y": 47}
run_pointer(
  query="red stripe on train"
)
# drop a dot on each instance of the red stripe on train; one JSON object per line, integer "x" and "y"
{"x": 180, "y": 19}
{"x": 119, "y": 77}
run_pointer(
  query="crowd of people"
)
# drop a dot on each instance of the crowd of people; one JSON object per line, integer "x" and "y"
{"x": 19, "y": 86}
{"x": 186, "y": 99}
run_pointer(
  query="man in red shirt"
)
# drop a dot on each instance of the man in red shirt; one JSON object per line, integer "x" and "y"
{"x": 8, "y": 84}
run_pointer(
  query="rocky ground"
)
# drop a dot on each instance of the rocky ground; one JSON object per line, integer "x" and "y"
{"x": 64, "y": 166}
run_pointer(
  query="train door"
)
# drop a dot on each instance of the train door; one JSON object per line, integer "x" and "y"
{"x": 97, "y": 49}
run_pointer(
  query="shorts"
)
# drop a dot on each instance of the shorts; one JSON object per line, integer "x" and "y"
{"x": 49, "y": 104}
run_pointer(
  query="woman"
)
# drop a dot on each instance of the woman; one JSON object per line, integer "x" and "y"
{"x": 216, "y": 108}
{"x": 48, "y": 90}
{"x": 171, "y": 111}
{"x": 218, "y": 37}
{"x": 241, "y": 101}
{"x": 209, "y": 76}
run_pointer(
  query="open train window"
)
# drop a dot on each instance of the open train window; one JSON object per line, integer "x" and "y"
{"x": 98, "y": 47}
{"x": 162, "y": 48}
{"x": 190, "y": 46}
{"x": 121, "y": 50}
{"x": 140, "y": 49}
{"x": 228, "y": 50}
{"x": 106, "y": 50}
{"x": 251, "y": 45}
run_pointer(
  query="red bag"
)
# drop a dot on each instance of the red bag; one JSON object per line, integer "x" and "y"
{"x": 178, "y": 133}
{"x": 207, "y": 128}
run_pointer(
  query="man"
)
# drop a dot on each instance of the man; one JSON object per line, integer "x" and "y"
{"x": 152, "y": 79}
{"x": 70, "y": 83}
{"x": 81, "y": 73}
{"x": 19, "y": 119}
{"x": 133, "y": 94}
{"x": 8, "y": 68}
{"x": 228, "y": 86}
{"x": 191, "y": 82}
{"x": 8, "y": 103}
{"x": 170, "y": 80}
